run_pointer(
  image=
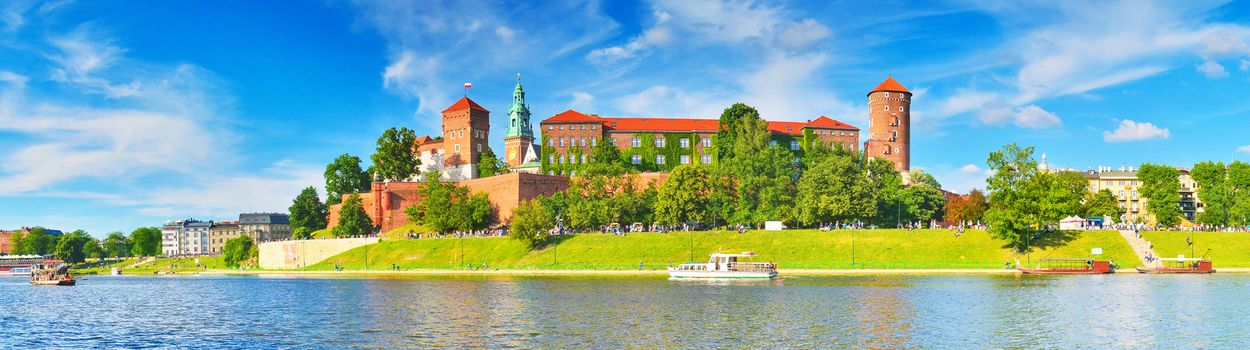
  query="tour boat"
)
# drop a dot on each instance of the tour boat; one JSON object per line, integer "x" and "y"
{"x": 1179, "y": 265}
{"x": 725, "y": 266}
{"x": 1067, "y": 266}
{"x": 43, "y": 275}
{"x": 18, "y": 265}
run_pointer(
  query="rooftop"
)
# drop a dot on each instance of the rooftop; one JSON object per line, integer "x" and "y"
{"x": 688, "y": 124}
{"x": 890, "y": 85}
{"x": 465, "y": 103}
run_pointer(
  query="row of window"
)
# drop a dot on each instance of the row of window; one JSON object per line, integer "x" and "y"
{"x": 455, "y": 134}
{"x": 571, "y": 159}
{"x": 900, "y": 108}
{"x": 571, "y": 127}
{"x": 835, "y": 132}
{"x": 683, "y": 159}
{"x": 573, "y": 141}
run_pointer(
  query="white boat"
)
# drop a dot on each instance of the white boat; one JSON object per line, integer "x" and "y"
{"x": 722, "y": 265}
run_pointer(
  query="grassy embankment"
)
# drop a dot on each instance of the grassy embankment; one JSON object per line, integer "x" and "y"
{"x": 807, "y": 249}
{"x": 393, "y": 234}
{"x": 176, "y": 265}
{"x": 1227, "y": 249}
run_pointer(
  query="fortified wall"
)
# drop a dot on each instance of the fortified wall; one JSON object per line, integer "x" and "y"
{"x": 295, "y": 254}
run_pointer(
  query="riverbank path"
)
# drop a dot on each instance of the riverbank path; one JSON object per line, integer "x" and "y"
{"x": 1140, "y": 246}
{"x": 141, "y": 262}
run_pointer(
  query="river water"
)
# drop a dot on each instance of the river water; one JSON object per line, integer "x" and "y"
{"x": 1118, "y": 311}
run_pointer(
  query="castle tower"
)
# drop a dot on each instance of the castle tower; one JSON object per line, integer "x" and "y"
{"x": 520, "y": 136}
{"x": 889, "y": 124}
{"x": 466, "y": 128}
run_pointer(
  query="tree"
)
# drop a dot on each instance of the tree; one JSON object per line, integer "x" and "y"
{"x": 116, "y": 245}
{"x": 531, "y": 220}
{"x": 836, "y": 189}
{"x": 237, "y": 250}
{"x": 70, "y": 247}
{"x": 396, "y": 158}
{"x": 18, "y": 242}
{"x": 1102, "y": 204}
{"x": 145, "y": 241}
{"x": 727, "y": 134}
{"x": 352, "y": 219}
{"x": 887, "y": 185}
{"x": 764, "y": 175}
{"x": 917, "y": 176}
{"x": 307, "y": 214}
{"x": 606, "y": 153}
{"x": 1239, "y": 190}
{"x": 1161, "y": 186}
{"x": 922, "y": 202}
{"x": 344, "y": 176}
{"x": 446, "y": 206}
{"x": 974, "y": 209}
{"x": 1064, "y": 192}
{"x": 91, "y": 248}
{"x": 687, "y": 195}
{"x": 489, "y": 165}
{"x": 1014, "y": 196}
{"x": 37, "y": 242}
{"x": 1213, "y": 188}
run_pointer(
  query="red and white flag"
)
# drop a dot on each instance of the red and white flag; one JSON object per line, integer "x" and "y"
{"x": 468, "y": 85}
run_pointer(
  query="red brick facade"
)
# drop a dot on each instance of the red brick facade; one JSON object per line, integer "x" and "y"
{"x": 889, "y": 120}
{"x": 466, "y": 131}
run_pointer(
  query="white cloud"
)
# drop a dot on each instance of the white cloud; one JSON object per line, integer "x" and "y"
{"x": 582, "y": 100}
{"x": 995, "y": 112}
{"x": 505, "y": 33}
{"x": 803, "y": 34}
{"x": 1134, "y": 131}
{"x": 218, "y": 195}
{"x": 1244, "y": 149}
{"x": 970, "y": 168}
{"x": 1035, "y": 117}
{"x": 1212, "y": 69}
{"x": 965, "y": 100}
{"x": 1245, "y": 65}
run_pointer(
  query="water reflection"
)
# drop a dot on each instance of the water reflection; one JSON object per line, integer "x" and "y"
{"x": 1120, "y": 311}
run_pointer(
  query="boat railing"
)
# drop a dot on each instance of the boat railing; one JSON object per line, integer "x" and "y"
{"x": 752, "y": 267}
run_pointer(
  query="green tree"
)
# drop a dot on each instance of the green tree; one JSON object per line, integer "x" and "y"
{"x": 38, "y": 242}
{"x": 1239, "y": 190}
{"x": 344, "y": 176}
{"x": 490, "y": 165}
{"x": 91, "y": 248}
{"x": 1213, "y": 188}
{"x": 917, "y": 176}
{"x": 765, "y": 175}
{"x": 922, "y": 202}
{"x": 1161, "y": 186}
{"x": 70, "y": 247}
{"x": 116, "y": 245}
{"x": 352, "y": 219}
{"x": 687, "y": 196}
{"x": 1064, "y": 192}
{"x": 307, "y": 214}
{"x": 1102, "y": 204}
{"x": 18, "y": 242}
{"x": 835, "y": 190}
{"x": 606, "y": 153}
{"x": 977, "y": 205}
{"x": 446, "y": 206}
{"x": 531, "y": 220}
{"x": 145, "y": 241}
{"x": 396, "y": 158}
{"x": 887, "y": 185}
{"x": 727, "y": 135}
{"x": 238, "y": 250}
{"x": 1014, "y": 196}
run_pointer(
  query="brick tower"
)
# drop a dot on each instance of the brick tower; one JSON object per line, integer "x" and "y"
{"x": 466, "y": 127}
{"x": 889, "y": 124}
{"x": 520, "y": 135}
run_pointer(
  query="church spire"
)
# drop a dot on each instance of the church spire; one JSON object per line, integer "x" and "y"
{"x": 519, "y": 113}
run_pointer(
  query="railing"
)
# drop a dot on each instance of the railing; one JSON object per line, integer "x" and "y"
{"x": 839, "y": 265}
{"x": 751, "y": 267}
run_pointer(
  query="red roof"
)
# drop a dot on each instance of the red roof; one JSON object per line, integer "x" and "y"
{"x": 465, "y": 103}
{"x": 424, "y": 139}
{"x": 826, "y": 122}
{"x": 662, "y": 124}
{"x": 890, "y": 85}
{"x": 786, "y": 128}
{"x": 572, "y": 116}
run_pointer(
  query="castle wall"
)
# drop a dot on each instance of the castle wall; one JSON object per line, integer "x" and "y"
{"x": 295, "y": 254}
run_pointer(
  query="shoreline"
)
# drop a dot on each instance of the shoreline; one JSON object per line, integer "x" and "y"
{"x": 607, "y": 273}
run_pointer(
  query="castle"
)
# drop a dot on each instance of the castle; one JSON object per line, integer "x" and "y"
{"x": 651, "y": 145}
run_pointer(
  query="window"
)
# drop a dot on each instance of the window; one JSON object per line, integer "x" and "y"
{"x": 479, "y": 147}
{"x": 772, "y": 143}
{"x": 561, "y": 159}
{"x": 551, "y": 127}
{"x": 685, "y": 142}
{"x": 794, "y": 145}
{"x": 457, "y": 148}
{"x": 561, "y": 142}
{"x": 887, "y": 94}
{"x": 582, "y": 142}
{"x": 562, "y": 127}
{"x": 887, "y": 108}
{"x": 581, "y": 127}
{"x": 895, "y": 122}
{"x": 707, "y": 142}
{"x": 659, "y": 159}
{"x": 583, "y": 158}
{"x": 685, "y": 159}
{"x": 636, "y": 142}
{"x": 902, "y": 108}
{"x": 572, "y": 159}
{"x": 592, "y": 141}
{"x": 592, "y": 127}
{"x": 636, "y": 159}
{"x": 659, "y": 142}
{"x": 705, "y": 159}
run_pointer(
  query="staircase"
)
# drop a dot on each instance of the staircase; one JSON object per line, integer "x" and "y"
{"x": 1140, "y": 246}
{"x": 144, "y": 261}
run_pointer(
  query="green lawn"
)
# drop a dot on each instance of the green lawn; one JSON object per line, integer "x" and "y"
{"x": 181, "y": 265}
{"x": 1227, "y": 249}
{"x": 790, "y": 249}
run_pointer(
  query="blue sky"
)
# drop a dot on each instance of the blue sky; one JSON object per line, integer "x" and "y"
{"x": 120, "y": 114}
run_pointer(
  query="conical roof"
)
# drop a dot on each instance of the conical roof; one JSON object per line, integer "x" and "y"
{"x": 890, "y": 85}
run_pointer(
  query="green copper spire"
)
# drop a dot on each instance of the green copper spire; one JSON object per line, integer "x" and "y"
{"x": 519, "y": 113}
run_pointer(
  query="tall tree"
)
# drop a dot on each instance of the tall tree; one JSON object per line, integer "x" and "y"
{"x": 887, "y": 185}
{"x": 490, "y": 165}
{"x": 396, "y": 157}
{"x": 344, "y": 176}
{"x": 604, "y": 194}
{"x": 764, "y": 175}
{"x": 1064, "y": 192}
{"x": 1239, "y": 191}
{"x": 237, "y": 250}
{"x": 606, "y": 153}
{"x": 974, "y": 209}
{"x": 145, "y": 241}
{"x": 687, "y": 196}
{"x": 70, "y": 247}
{"x": 352, "y": 219}
{"x": 446, "y": 206}
{"x": 91, "y": 248}
{"x": 38, "y": 242}
{"x": 18, "y": 242}
{"x": 727, "y": 134}
{"x": 1102, "y": 204}
{"x": 922, "y": 202}
{"x": 307, "y": 213}
{"x": 1161, "y": 186}
{"x": 531, "y": 220}
{"x": 1212, "y": 180}
{"x": 835, "y": 190}
{"x": 116, "y": 245}
{"x": 1014, "y": 195}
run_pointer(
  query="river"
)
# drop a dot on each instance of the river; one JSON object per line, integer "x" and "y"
{"x": 225, "y": 312}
